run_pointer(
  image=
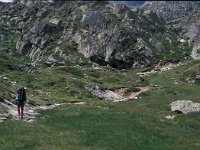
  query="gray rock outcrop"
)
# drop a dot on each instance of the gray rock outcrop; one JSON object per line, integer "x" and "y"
{"x": 182, "y": 15}
{"x": 106, "y": 33}
{"x": 185, "y": 106}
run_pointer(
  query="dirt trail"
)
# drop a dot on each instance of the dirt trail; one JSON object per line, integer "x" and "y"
{"x": 160, "y": 67}
{"x": 132, "y": 95}
{"x": 30, "y": 111}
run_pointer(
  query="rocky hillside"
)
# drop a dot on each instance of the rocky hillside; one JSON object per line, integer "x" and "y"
{"x": 130, "y": 3}
{"x": 182, "y": 15}
{"x": 53, "y": 32}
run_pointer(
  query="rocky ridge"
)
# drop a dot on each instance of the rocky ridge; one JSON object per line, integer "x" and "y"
{"x": 183, "y": 16}
{"x": 51, "y": 32}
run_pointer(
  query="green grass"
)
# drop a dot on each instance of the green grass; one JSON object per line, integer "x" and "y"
{"x": 134, "y": 125}
{"x": 137, "y": 124}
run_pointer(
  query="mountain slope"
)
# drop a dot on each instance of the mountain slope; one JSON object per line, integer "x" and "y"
{"x": 51, "y": 32}
{"x": 184, "y": 16}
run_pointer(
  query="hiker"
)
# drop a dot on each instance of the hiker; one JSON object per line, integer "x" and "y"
{"x": 21, "y": 100}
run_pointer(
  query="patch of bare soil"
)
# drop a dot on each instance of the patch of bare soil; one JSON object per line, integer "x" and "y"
{"x": 118, "y": 94}
{"x": 132, "y": 95}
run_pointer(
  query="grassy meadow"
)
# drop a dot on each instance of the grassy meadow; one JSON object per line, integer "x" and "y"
{"x": 98, "y": 124}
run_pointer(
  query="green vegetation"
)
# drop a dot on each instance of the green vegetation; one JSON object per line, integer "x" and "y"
{"x": 162, "y": 19}
{"x": 101, "y": 124}
{"x": 115, "y": 19}
{"x": 8, "y": 41}
{"x": 175, "y": 51}
{"x": 77, "y": 24}
{"x": 118, "y": 21}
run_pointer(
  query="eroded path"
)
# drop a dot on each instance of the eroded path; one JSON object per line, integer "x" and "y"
{"x": 132, "y": 95}
{"x": 118, "y": 95}
{"x": 30, "y": 111}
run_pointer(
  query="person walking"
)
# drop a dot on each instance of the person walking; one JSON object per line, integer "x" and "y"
{"x": 21, "y": 99}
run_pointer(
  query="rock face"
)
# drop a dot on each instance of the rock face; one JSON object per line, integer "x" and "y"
{"x": 185, "y": 106}
{"x": 106, "y": 33}
{"x": 169, "y": 8}
{"x": 184, "y": 16}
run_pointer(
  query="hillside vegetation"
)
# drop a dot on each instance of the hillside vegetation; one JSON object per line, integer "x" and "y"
{"x": 61, "y": 51}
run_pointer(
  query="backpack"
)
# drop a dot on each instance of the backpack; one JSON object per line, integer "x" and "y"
{"x": 21, "y": 95}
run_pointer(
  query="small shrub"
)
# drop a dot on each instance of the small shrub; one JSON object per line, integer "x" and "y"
{"x": 170, "y": 91}
{"x": 31, "y": 102}
{"x": 145, "y": 94}
{"x": 73, "y": 71}
{"x": 133, "y": 89}
{"x": 77, "y": 24}
{"x": 78, "y": 83}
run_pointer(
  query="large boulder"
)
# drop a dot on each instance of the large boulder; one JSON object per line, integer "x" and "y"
{"x": 185, "y": 106}
{"x": 42, "y": 28}
{"x": 107, "y": 94}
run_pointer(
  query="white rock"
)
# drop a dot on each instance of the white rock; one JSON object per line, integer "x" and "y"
{"x": 57, "y": 104}
{"x": 5, "y": 78}
{"x": 182, "y": 41}
{"x": 170, "y": 117}
{"x": 185, "y": 106}
{"x": 55, "y": 21}
{"x": 31, "y": 111}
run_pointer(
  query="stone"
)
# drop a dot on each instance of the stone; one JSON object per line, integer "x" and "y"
{"x": 182, "y": 40}
{"x": 107, "y": 94}
{"x": 169, "y": 117}
{"x": 53, "y": 61}
{"x": 23, "y": 46}
{"x": 42, "y": 13}
{"x": 56, "y": 21}
{"x": 185, "y": 106}
{"x": 40, "y": 28}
